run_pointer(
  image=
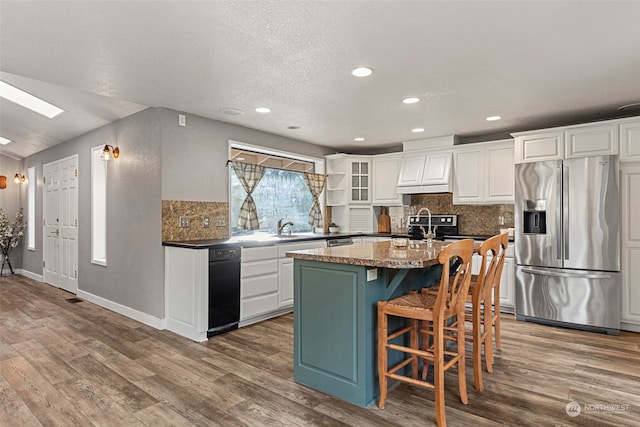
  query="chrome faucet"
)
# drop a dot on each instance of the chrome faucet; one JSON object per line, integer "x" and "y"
{"x": 429, "y": 233}
{"x": 281, "y": 226}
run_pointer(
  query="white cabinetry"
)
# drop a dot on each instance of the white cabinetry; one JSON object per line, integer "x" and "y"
{"x": 591, "y": 140}
{"x": 258, "y": 283}
{"x": 186, "y": 278}
{"x": 348, "y": 179}
{"x": 353, "y": 218}
{"x": 386, "y": 168}
{"x": 285, "y": 269}
{"x": 484, "y": 173}
{"x": 539, "y": 146}
{"x": 425, "y": 172}
{"x": 630, "y": 140}
{"x": 630, "y": 265}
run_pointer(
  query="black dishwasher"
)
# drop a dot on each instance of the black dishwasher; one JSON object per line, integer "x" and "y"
{"x": 224, "y": 290}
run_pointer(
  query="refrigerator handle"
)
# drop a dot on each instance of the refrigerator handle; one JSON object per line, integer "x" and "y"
{"x": 558, "y": 212}
{"x": 565, "y": 209}
{"x": 568, "y": 275}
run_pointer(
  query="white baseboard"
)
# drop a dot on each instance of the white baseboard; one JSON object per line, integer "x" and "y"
{"x": 141, "y": 317}
{"x": 632, "y": 327}
{"x": 30, "y": 275}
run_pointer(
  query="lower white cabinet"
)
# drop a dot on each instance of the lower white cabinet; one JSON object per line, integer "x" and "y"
{"x": 285, "y": 269}
{"x": 258, "y": 283}
{"x": 186, "y": 278}
{"x": 266, "y": 280}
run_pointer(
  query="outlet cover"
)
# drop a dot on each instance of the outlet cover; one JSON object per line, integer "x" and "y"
{"x": 221, "y": 221}
{"x": 185, "y": 222}
{"x": 205, "y": 221}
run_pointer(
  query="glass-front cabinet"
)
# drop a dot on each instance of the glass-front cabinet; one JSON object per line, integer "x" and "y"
{"x": 360, "y": 179}
{"x": 348, "y": 179}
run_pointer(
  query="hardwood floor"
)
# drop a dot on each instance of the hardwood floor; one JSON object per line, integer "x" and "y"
{"x": 79, "y": 364}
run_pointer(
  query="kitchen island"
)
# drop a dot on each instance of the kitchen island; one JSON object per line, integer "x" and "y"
{"x": 336, "y": 291}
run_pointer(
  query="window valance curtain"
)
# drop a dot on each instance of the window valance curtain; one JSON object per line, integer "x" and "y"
{"x": 315, "y": 182}
{"x": 249, "y": 176}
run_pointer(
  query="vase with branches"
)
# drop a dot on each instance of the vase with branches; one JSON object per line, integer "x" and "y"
{"x": 10, "y": 236}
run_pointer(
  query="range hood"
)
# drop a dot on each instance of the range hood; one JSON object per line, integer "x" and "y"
{"x": 426, "y": 173}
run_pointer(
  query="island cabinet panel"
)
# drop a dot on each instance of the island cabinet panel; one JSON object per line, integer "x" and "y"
{"x": 335, "y": 326}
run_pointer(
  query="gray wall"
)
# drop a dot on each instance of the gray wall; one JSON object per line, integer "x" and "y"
{"x": 194, "y": 156}
{"x": 159, "y": 160}
{"x": 12, "y": 199}
{"x": 134, "y": 274}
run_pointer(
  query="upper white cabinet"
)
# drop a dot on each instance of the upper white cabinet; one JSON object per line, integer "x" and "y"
{"x": 591, "y": 140}
{"x": 425, "y": 172}
{"x": 348, "y": 179}
{"x": 611, "y": 137}
{"x": 484, "y": 173}
{"x": 539, "y": 146}
{"x": 630, "y": 140}
{"x": 386, "y": 168}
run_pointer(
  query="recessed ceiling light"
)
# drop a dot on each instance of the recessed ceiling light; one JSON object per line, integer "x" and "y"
{"x": 29, "y": 101}
{"x": 232, "y": 111}
{"x": 417, "y": 130}
{"x": 4, "y": 141}
{"x": 263, "y": 110}
{"x": 359, "y": 139}
{"x": 493, "y": 118}
{"x": 362, "y": 72}
{"x": 411, "y": 100}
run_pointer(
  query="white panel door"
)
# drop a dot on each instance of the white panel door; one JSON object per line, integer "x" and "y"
{"x": 437, "y": 169}
{"x": 61, "y": 224}
{"x": 51, "y": 224}
{"x": 69, "y": 225}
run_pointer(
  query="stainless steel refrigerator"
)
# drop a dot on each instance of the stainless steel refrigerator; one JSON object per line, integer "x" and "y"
{"x": 568, "y": 243}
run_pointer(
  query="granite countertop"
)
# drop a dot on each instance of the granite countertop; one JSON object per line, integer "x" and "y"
{"x": 253, "y": 240}
{"x": 381, "y": 254}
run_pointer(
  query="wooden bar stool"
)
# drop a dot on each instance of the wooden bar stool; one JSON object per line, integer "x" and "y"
{"x": 435, "y": 312}
{"x": 478, "y": 312}
{"x": 495, "y": 288}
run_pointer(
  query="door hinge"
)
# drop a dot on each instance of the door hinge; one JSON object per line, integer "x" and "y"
{"x": 75, "y": 273}
{"x": 44, "y": 179}
{"x": 76, "y": 222}
{"x": 75, "y": 173}
{"x": 43, "y": 263}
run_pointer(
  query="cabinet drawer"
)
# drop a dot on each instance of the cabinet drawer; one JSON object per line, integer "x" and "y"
{"x": 256, "y": 254}
{"x": 259, "y": 285}
{"x": 258, "y": 268}
{"x": 283, "y": 249}
{"x": 258, "y": 305}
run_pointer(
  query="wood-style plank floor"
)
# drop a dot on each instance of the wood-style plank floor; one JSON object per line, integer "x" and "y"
{"x": 65, "y": 364}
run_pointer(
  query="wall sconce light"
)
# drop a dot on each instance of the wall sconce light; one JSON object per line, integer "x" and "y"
{"x": 3, "y": 182}
{"x": 107, "y": 152}
{"x": 18, "y": 178}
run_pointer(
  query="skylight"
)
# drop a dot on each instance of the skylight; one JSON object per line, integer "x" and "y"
{"x": 29, "y": 101}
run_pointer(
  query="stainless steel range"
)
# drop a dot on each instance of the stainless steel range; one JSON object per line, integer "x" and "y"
{"x": 441, "y": 224}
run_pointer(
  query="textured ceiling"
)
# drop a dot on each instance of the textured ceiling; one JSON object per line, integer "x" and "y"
{"x": 538, "y": 64}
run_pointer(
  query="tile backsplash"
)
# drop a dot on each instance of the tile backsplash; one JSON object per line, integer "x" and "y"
{"x": 473, "y": 219}
{"x": 172, "y": 210}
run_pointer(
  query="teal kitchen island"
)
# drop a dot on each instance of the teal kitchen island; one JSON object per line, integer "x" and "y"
{"x": 336, "y": 291}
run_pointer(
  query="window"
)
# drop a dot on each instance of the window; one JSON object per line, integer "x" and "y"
{"x": 31, "y": 208}
{"x": 98, "y": 207}
{"x": 281, "y": 193}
